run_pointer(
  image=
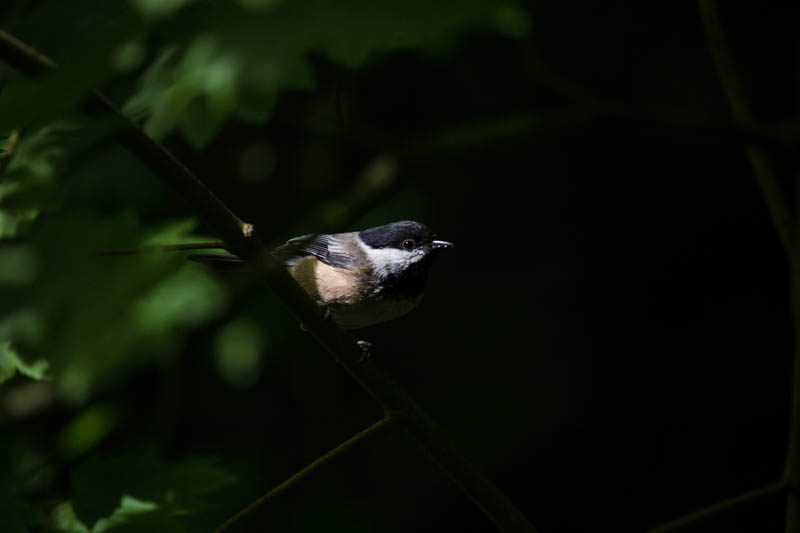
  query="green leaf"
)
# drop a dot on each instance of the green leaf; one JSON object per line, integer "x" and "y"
{"x": 11, "y": 363}
{"x": 115, "y": 313}
{"x": 177, "y": 489}
{"x": 64, "y": 519}
{"x": 135, "y": 515}
{"x": 29, "y": 187}
{"x": 227, "y": 60}
{"x": 86, "y": 430}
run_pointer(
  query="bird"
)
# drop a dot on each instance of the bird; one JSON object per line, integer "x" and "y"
{"x": 360, "y": 278}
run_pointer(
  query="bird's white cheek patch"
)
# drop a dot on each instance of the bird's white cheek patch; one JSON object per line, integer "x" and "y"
{"x": 391, "y": 260}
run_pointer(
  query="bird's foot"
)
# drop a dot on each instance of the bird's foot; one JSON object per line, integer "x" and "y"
{"x": 366, "y": 350}
{"x": 327, "y": 314}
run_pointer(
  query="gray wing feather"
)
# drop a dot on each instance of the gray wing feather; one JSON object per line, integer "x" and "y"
{"x": 331, "y": 249}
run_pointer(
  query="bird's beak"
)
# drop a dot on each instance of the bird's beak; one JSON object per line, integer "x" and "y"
{"x": 441, "y": 245}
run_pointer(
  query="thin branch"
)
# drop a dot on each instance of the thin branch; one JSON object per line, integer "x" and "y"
{"x": 10, "y": 150}
{"x": 774, "y": 197}
{"x": 340, "y": 344}
{"x": 305, "y": 472}
{"x": 722, "y": 506}
{"x": 210, "y": 245}
{"x": 785, "y": 227}
{"x": 23, "y": 57}
{"x": 791, "y": 470}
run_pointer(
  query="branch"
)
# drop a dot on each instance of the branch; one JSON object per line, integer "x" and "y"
{"x": 339, "y": 344}
{"x": 722, "y": 506}
{"x": 774, "y": 197}
{"x": 303, "y": 473}
{"x": 785, "y": 227}
{"x": 164, "y": 248}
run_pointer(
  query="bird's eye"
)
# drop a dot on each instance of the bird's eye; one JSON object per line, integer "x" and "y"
{"x": 408, "y": 244}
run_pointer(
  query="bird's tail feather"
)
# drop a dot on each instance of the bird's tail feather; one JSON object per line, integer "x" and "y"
{"x": 219, "y": 262}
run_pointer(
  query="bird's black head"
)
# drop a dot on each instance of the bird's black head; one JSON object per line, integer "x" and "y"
{"x": 404, "y": 235}
{"x": 401, "y": 253}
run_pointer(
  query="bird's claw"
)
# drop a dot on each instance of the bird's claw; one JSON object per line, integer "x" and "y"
{"x": 366, "y": 351}
{"x": 327, "y": 314}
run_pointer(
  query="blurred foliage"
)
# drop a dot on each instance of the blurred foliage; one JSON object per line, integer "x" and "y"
{"x": 239, "y": 60}
{"x": 88, "y": 323}
{"x": 10, "y": 364}
{"x": 637, "y": 355}
{"x": 160, "y": 490}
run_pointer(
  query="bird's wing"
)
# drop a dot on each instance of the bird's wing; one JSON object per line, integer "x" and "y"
{"x": 335, "y": 250}
{"x": 331, "y": 249}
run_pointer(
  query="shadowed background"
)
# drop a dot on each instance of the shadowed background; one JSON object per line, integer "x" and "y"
{"x": 609, "y": 340}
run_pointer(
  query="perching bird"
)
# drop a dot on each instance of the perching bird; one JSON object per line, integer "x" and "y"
{"x": 362, "y": 277}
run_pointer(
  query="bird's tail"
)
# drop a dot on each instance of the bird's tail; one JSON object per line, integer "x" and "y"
{"x": 211, "y": 245}
{"x": 219, "y": 262}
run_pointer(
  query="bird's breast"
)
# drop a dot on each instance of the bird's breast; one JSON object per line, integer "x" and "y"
{"x": 329, "y": 285}
{"x": 354, "y": 298}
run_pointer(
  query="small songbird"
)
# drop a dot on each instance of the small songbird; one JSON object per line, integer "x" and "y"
{"x": 361, "y": 278}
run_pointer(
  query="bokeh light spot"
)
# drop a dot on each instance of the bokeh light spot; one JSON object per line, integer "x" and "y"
{"x": 238, "y": 348}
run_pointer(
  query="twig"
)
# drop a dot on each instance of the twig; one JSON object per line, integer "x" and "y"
{"x": 164, "y": 248}
{"x": 304, "y": 472}
{"x": 340, "y": 345}
{"x": 722, "y": 506}
{"x": 10, "y": 150}
{"x": 774, "y": 197}
{"x": 791, "y": 471}
{"x": 785, "y": 227}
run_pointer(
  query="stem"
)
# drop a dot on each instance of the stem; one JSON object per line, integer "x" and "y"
{"x": 774, "y": 197}
{"x": 164, "y": 248}
{"x": 792, "y": 468}
{"x": 304, "y": 472}
{"x": 784, "y": 225}
{"x": 239, "y": 239}
{"x": 722, "y": 506}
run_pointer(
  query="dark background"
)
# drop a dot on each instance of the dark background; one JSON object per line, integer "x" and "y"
{"x": 609, "y": 340}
